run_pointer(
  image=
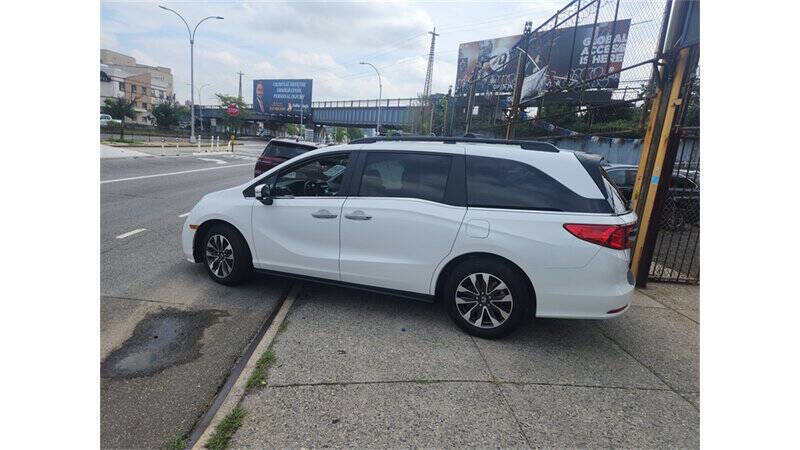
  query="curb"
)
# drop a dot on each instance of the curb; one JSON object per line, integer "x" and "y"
{"x": 212, "y": 153}
{"x": 239, "y": 388}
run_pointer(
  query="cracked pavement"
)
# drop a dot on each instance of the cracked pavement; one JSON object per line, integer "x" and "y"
{"x": 145, "y": 277}
{"x": 356, "y": 369}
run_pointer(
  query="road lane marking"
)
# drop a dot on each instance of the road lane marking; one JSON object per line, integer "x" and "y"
{"x": 218, "y": 161}
{"x": 184, "y": 215}
{"x": 131, "y": 233}
{"x": 174, "y": 173}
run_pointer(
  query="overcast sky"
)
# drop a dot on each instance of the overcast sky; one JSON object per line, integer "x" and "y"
{"x": 322, "y": 41}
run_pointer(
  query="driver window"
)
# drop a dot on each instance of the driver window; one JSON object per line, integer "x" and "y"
{"x": 321, "y": 177}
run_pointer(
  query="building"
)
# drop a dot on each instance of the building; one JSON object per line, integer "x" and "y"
{"x": 122, "y": 76}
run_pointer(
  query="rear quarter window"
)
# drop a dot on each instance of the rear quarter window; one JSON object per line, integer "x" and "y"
{"x": 508, "y": 184}
{"x": 615, "y": 198}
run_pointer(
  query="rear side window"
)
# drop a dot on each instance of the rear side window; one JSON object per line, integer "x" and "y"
{"x": 405, "y": 175}
{"x": 507, "y": 184}
{"x": 284, "y": 150}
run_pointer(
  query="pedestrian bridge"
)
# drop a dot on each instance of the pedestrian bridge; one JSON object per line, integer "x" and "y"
{"x": 395, "y": 113}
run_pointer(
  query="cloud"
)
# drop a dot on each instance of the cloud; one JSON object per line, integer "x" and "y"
{"x": 322, "y": 41}
{"x": 143, "y": 58}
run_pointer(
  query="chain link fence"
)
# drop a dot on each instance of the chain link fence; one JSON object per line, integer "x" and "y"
{"x": 587, "y": 84}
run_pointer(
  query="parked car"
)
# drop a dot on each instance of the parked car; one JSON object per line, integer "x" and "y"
{"x": 106, "y": 119}
{"x": 280, "y": 150}
{"x": 500, "y": 231}
{"x": 682, "y": 205}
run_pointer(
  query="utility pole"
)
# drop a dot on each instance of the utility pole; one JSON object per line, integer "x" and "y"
{"x": 660, "y": 144}
{"x": 521, "y": 61}
{"x": 240, "y": 84}
{"x": 447, "y": 108}
{"x": 471, "y": 98}
{"x": 426, "y": 92}
{"x": 430, "y": 127}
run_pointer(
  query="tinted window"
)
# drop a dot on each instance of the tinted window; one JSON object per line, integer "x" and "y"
{"x": 631, "y": 177}
{"x": 321, "y": 177}
{"x": 284, "y": 150}
{"x": 617, "y": 176}
{"x": 405, "y": 175}
{"x": 503, "y": 183}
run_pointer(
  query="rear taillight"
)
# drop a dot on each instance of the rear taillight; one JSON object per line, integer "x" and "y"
{"x": 618, "y": 237}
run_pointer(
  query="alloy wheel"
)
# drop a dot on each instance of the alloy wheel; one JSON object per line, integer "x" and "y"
{"x": 484, "y": 300}
{"x": 219, "y": 255}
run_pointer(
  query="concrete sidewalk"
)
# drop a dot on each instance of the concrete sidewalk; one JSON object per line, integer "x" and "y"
{"x": 355, "y": 369}
{"x": 107, "y": 151}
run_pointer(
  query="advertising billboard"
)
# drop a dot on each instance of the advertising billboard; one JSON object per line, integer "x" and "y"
{"x": 557, "y": 58}
{"x": 282, "y": 96}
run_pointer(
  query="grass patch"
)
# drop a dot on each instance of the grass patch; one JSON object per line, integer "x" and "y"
{"x": 283, "y": 326}
{"x": 259, "y": 376}
{"x": 224, "y": 432}
{"x": 178, "y": 444}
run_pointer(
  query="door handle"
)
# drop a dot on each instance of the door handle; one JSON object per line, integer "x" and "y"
{"x": 358, "y": 215}
{"x": 323, "y": 214}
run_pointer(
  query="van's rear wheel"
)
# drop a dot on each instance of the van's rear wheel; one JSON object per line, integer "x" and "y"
{"x": 486, "y": 298}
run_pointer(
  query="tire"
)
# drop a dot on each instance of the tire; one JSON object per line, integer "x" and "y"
{"x": 236, "y": 265}
{"x": 496, "y": 318}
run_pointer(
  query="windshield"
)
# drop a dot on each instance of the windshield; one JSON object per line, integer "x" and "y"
{"x": 284, "y": 150}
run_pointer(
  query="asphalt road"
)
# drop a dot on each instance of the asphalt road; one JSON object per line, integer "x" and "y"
{"x": 153, "y": 391}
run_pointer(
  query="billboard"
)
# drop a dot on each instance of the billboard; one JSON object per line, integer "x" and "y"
{"x": 560, "y": 57}
{"x": 282, "y": 96}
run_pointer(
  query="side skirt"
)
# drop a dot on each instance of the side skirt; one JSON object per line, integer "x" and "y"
{"x": 361, "y": 287}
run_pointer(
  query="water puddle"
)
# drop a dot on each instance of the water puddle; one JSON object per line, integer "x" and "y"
{"x": 159, "y": 341}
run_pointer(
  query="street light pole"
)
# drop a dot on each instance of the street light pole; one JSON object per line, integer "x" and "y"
{"x": 200, "y": 99}
{"x": 380, "y": 93}
{"x": 191, "y": 54}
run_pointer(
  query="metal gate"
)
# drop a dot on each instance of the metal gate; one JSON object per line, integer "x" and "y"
{"x": 676, "y": 253}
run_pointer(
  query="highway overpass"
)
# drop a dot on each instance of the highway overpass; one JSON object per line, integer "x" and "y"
{"x": 395, "y": 113}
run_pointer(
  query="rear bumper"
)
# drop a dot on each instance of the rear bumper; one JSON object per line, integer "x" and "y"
{"x": 600, "y": 290}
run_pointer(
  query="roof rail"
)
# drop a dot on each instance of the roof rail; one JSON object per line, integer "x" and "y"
{"x": 526, "y": 145}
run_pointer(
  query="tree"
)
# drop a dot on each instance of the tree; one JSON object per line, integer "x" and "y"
{"x": 339, "y": 134}
{"x": 292, "y": 129}
{"x": 234, "y": 123}
{"x": 355, "y": 133}
{"x": 119, "y": 107}
{"x": 168, "y": 115}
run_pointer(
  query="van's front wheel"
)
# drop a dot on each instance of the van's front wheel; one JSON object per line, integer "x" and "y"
{"x": 226, "y": 256}
{"x": 486, "y": 298}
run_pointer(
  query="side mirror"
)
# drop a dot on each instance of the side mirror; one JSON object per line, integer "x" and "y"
{"x": 263, "y": 194}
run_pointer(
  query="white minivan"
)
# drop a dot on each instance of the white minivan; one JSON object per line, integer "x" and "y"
{"x": 500, "y": 231}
